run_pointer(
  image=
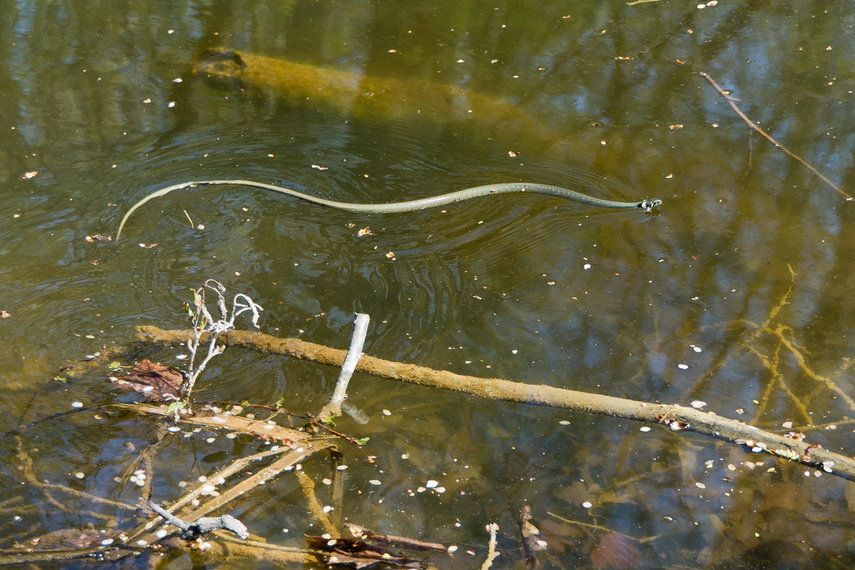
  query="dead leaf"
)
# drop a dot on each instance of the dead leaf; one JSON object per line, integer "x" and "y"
{"x": 98, "y": 237}
{"x": 158, "y": 383}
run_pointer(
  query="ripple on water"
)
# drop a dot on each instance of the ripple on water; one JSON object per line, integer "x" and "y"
{"x": 302, "y": 259}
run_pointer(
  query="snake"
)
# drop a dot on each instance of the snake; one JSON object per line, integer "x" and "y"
{"x": 411, "y": 205}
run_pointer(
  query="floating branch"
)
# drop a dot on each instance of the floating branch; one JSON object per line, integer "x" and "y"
{"x": 753, "y": 126}
{"x": 792, "y": 447}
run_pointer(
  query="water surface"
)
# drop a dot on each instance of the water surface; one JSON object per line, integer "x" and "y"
{"x": 736, "y": 293}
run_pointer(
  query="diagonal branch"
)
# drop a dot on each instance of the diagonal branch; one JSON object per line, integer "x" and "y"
{"x": 754, "y": 126}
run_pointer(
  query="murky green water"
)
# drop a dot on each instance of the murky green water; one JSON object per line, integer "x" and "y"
{"x": 101, "y": 107}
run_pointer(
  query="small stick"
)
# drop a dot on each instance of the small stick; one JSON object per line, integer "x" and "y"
{"x": 354, "y": 353}
{"x": 492, "y": 553}
{"x": 753, "y": 126}
{"x": 604, "y": 529}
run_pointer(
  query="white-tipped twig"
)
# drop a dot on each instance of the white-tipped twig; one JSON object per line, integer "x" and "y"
{"x": 203, "y": 322}
{"x": 492, "y": 553}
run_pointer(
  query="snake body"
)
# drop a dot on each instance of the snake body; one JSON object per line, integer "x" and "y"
{"x": 411, "y": 205}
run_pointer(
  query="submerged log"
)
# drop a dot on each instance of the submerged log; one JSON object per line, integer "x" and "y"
{"x": 362, "y": 95}
{"x": 414, "y": 103}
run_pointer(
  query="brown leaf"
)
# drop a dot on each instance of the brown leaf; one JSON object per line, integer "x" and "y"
{"x": 158, "y": 383}
{"x": 616, "y": 551}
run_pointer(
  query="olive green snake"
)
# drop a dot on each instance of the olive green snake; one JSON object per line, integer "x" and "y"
{"x": 411, "y": 205}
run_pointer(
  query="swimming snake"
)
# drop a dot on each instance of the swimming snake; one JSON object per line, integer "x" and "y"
{"x": 411, "y": 205}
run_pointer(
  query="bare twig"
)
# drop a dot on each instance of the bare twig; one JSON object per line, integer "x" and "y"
{"x": 604, "y": 529}
{"x": 354, "y": 353}
{"x": 202, "y": 322}
{"x": 492, "y": 553}
{"x": 754, "y": 127}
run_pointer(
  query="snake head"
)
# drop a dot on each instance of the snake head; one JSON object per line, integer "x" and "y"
{"x": 649, "y": 203}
